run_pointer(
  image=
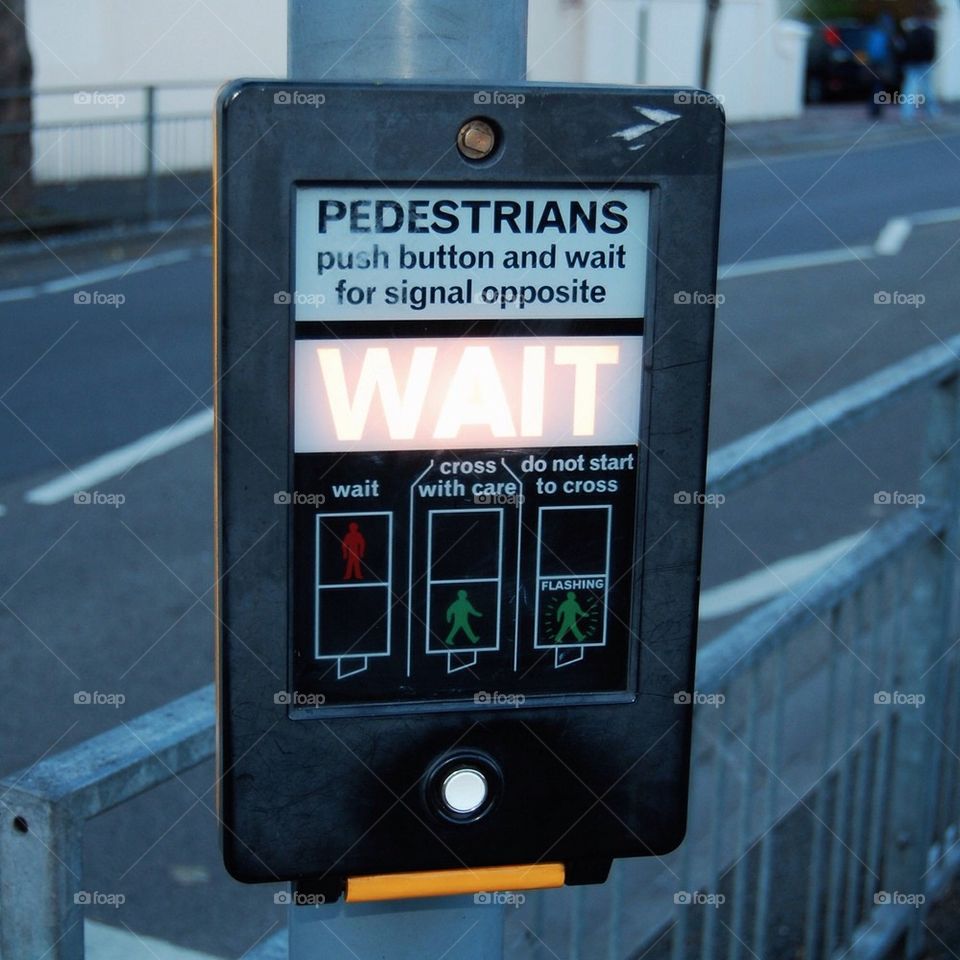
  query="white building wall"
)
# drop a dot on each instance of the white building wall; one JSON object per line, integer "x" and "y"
{"x": 948, "y": 51}
{"x": 758, "y": 56}
{"x": 90, "y": 46}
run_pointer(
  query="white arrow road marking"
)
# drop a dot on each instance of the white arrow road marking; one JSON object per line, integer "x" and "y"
{"x": 794, "y": 261}
{"x": 945, "y": 215}
{"x": 890, "y": 242}
{"x": 893, "y": 236}
{"x": 114, "y": 272}
{"x": 654, "y": 117}
{"x": 119, "y": 461}
{"x": 773, "y": 580}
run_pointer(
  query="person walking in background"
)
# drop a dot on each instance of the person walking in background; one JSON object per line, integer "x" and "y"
{"x": 919, "y": 55}
{"x": 882, "y": 55}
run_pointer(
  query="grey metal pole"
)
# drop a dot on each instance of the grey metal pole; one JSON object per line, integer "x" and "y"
{"x": 460, "y": 40}
{"x": 483, "y": 40}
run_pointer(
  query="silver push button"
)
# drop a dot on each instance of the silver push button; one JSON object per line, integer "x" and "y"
{"x": 464, "y": 790}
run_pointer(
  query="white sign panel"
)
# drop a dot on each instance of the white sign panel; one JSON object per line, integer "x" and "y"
{"x": 452, "y": 393}
{"x": 381, "y": 253}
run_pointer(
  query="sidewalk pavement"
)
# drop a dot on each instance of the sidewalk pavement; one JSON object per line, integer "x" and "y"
{"x": 836, "y": 126}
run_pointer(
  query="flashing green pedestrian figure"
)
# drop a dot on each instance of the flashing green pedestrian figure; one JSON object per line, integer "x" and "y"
{"x": 459, "y": 611}
{"x": 567, "y": 614}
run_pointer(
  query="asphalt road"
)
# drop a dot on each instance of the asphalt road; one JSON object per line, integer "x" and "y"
{"x": 116, "y": 598}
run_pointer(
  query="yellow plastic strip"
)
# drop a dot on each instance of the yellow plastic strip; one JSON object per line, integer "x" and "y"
{"x": 444, "y": 883}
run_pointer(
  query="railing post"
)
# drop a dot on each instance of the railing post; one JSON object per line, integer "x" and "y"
{"x": 150, "y": 156}
{"x": 41, "y": 870}
{"x": 931, "y": 628}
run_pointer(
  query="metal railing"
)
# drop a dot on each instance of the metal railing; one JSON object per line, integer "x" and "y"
{"x": 823, "y": 813}
{"x": 116, "y": 151}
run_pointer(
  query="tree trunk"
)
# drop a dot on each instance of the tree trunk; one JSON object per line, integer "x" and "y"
{"x": 16, "y": 77}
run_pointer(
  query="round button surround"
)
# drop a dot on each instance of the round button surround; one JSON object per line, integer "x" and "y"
{"x": 463, "y": 786}
{"x": 464, "y": 790}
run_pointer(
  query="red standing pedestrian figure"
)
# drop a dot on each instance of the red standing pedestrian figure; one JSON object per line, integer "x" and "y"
{"x": 353, "y": 546}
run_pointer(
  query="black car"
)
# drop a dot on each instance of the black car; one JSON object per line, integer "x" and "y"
{"x": 837, "y": 62}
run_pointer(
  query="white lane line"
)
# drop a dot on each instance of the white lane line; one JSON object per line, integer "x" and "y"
{"x": 3, "y": 510}
{"x": 794, "y": 261}
{"x": 103, "y": 942}
{"x": 764, "y": 584}
{"x": 946, "y": 215}
{"x": 113, "y": 272}
{"x": 893, "y": 236}
{"x": 119, "y": 461}
{"x": 890, "y": 242}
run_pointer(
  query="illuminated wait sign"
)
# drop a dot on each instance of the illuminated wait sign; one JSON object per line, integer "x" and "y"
{"x": 424, "y": 394}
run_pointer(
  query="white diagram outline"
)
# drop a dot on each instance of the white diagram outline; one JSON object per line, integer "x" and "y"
{"x": 469, "y": 655}
{"x": 318, "y": 587}
{"x": 410, "y": 536}
{"x": 516, "y": 617}
{"x": 605, "y": 575}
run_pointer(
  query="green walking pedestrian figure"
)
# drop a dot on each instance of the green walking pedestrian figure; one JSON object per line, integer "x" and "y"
{"x": 567, "y": 614}
{"x": 459, "y": 611}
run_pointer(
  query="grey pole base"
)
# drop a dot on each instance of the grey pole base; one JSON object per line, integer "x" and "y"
{"x": 398, "y": 930}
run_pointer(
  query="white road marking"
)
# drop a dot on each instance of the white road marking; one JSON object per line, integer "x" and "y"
{"x": 103, "y": 942}
{"x": 773, "y": 580}
{"x": 893, "y": 236}
{"x": 113, "y": 272}
{"x": 946, "y": 215}
{"x": 119, "y": 461}
{"x": 890, "y": 241}
{"x": 3, "y": 510}
{"x": 794, "y": 261}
